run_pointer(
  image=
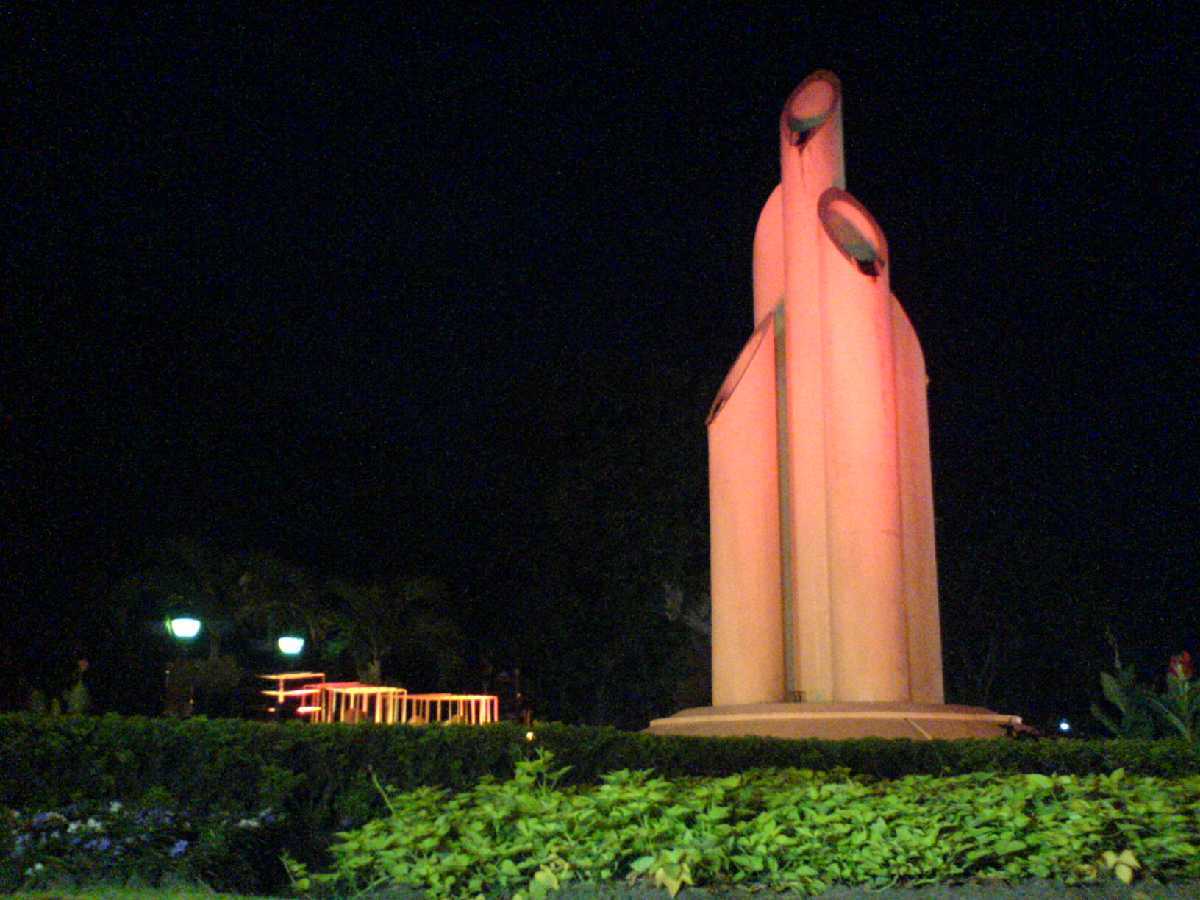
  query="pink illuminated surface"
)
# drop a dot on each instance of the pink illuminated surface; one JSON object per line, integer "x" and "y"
{"x": 824, "y": 579}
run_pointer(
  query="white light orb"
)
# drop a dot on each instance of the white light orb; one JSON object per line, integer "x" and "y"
{"x": 183, "y": 627}
{"x": 290, "y": 645}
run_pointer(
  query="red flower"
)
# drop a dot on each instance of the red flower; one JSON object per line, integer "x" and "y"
{"x": 1181, "y": 666}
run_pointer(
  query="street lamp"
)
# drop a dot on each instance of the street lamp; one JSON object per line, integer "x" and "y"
{"x": 290, "y": 645}
{"x": 184, "y": 628}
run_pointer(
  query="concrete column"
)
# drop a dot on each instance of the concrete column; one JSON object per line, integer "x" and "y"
{"x": 743, "y": 466}
{"x": 916, "y": 513}
{"x": 870, "y": 646}
{"x": 810, "y": 147}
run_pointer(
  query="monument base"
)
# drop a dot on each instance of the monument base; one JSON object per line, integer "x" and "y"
{"x": 838, "y": 721}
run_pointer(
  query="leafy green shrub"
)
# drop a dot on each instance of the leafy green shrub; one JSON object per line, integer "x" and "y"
{"x": 778, "y": 829}
{"x": 1132, "y": 702}
{"x": 319, "y": 778}
{"x": 1180, "y": 705}
{"x": 75, "y": 700}
{"x": 1145, "y": 714}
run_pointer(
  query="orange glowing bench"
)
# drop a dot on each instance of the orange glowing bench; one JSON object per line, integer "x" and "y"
{"x": 470, "y": 709}
{"x": 355, "y": 702}
{"x": 308, "y": 690}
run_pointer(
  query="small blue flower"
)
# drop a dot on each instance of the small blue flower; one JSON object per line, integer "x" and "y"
{"x": 178, "y": 848}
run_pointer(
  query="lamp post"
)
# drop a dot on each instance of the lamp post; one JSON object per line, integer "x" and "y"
{"x": 183, "y": 628}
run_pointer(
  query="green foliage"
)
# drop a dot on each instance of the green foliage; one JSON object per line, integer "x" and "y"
{"x": 319, "y": 773}
{"x": 273, "y": 595}
{"x": 1132, "y": 702}
{"x": 1180, "y": 705}
{"x": 619, "y": 483}
{"x": 782, "y": 829}
{"x": 1123, "y": 864}
{"x": 405, "y": 621}
{"x": 319, "y": 778}
{"x": 185, "y": 574}
{"x": 237, "y": 595}
{"x": 214, "y": 678}
{"x": 1145, "y": 714}
{"x": 76, "y": 699}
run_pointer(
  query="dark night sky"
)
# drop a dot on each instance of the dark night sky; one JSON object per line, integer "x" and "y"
{"x": 288, "y": 280}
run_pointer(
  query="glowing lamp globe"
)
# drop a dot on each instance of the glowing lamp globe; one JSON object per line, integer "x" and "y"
{"x": 185, "y": 628}
{"x": 290, "y": 645}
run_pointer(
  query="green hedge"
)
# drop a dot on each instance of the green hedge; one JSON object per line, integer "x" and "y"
{"x": 322, "y": 773}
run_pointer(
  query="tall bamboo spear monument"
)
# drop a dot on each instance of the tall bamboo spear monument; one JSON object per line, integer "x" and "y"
{"x": 824, "y": 575}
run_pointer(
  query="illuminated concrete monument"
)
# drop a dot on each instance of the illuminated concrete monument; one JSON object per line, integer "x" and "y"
{"x": 824, "y": 577}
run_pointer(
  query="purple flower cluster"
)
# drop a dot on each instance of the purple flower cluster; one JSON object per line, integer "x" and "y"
{"x": 90, "y": 843}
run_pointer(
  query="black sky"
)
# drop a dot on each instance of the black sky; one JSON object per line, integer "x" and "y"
{"x": 276, "y": 279}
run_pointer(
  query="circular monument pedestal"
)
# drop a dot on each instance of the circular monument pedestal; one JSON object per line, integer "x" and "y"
{"x": 838, "y": 721}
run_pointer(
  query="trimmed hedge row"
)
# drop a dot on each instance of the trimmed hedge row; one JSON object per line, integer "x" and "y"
{"x": 323, "y": 773}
